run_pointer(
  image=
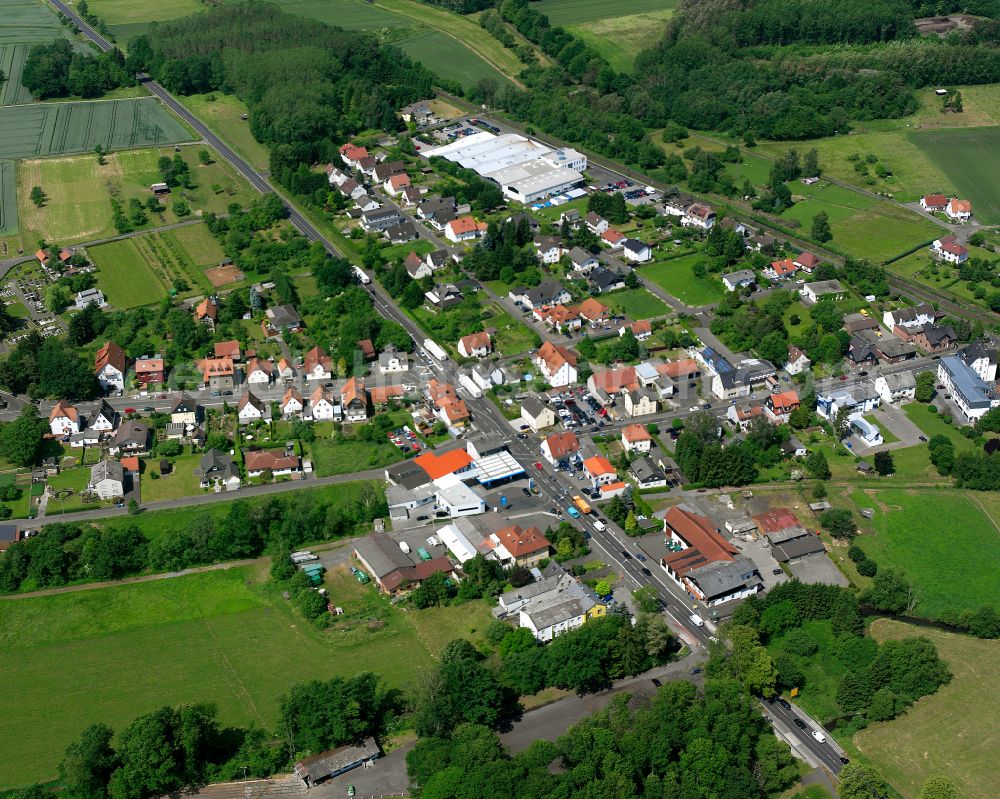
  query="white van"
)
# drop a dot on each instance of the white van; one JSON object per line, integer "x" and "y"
{"x": 819, "y": 736}
{"x": 599, "y": 525}
{"x": 697, "y": 620}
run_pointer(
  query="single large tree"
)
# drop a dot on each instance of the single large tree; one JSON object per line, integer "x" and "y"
{"x": 88, "y": 763}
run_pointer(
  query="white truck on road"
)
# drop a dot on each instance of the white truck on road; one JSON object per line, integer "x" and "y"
{"x": 435, "y": 349}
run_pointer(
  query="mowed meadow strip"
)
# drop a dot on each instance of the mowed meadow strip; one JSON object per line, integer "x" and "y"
{"x": 43, "y": 129}
{"x": 8, "y": 198}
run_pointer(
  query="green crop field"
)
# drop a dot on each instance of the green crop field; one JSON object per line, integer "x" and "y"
{"x": 576, "y": 12}
{"x": 222, "y": 637}
{"x": 8, "y": 198}
{"x": 346, "y": 13}
{"x": 940, "y": 540}
{"x": 440, "y": 54}
{"x": 677, "y": 279}
{"x": 28, "y": 22}
{"x": 12, "y": 58}
{"x": 971, "y": 161}
{"x": 57, "y": 128}
{"x": 952, "y": 732}
{"x": 636, "y": 303}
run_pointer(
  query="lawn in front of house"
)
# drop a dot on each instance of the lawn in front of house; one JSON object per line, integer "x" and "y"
{"x": 75, "y": 480}
{"x": 332, "y": 457}
{"x": 636, "y": 303}
{"x": 513, "y": 337}
{"x": 181, "y": 482}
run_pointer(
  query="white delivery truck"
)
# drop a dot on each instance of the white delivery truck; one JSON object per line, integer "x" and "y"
{"x": 435, "y": 350}
{"x": 405, "y": 547}
{"x": 697, "y": 620}
{"x": 362, "y": 277}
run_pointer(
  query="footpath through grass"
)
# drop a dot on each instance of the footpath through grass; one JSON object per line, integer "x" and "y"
{"x": 227, "y": 637}
{"x": 954, "y": 731}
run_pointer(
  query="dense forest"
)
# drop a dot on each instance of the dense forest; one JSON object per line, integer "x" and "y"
{"x": 309, "y": 86}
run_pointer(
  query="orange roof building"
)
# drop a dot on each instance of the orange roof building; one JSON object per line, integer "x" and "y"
{"x": 206, "y": 310}
{"x": 702, "y": 543}
{"x": 464, "y": 227}
{"x": 110, "y": 355}
{"x": 216, "y": 368}
{"x": 635, "y": 434}
{"x": 521, "y": 545}
{"x": 229, "y": 349}
{"x": 558, "y": 445}
{"x": 437, "y": 466}
{"x": 784, "y": 268}
{"x": 600, "y": 469}
{"x": 593, "y": 310}
{"x": 351, "y": 152}
{"x": 614, "y": 381}
{"x": 131, "y": 463}
{"x": 785, "y": 402}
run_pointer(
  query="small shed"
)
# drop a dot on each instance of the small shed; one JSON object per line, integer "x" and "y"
{"x": 159, "y": 189}
{"x": 165, "y": 466}
{"x": 327, "y": 765}
{"x": 864, "y": 467}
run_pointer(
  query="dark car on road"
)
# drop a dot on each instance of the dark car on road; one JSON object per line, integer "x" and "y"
{"x": 626, "y": 555}
{"x": 800, "y": 724}
{"x": 784, "y": 703}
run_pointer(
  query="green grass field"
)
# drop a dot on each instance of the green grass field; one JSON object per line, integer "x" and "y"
{"x": 181, "y": 482}
{"x": 221, "y": 112}
{"x": 438, "y": 52}
{"x": 512, "y": 336}
{"x": 330, "y": 457}
{"x": 941, "y": 541}
{"x": 676, "y": 278}
{"x": 971, "y": 161}
{"x": 42, "y": 129}
{"x": 952, "y": 732}
{"x": 125, "y": 12}
{"x": 79, "y": 190}
{"x": 124, "y": 274}
{"x": 853, "y": 217}
{"x": 221, "y": 637}
{"x": 28, "y": 22}
{"x": 8, "y": 198}
{"x": 636, "y": 303}
{"x": 620, "y": 38}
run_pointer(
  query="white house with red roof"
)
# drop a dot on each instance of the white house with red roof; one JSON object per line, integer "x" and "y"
{"x": 959, "y": 210}
{"x": 636, "y": 438}
{"x": 475, "y": 345}
{"x": 949, "y": 250}
{"x": 557, "y": 364}
{"x": 64, "y": 419}
{"x": 110, "y": 365}
{"x": 781, "y": 270}
{"x": 600, "y": 471}
{"x": 559, "y": 446}
{"x": 464, "y": 228}
{"x": 351, "y": 154}
{"x": 933, "y": 202}
{"x": 806, "y": 261}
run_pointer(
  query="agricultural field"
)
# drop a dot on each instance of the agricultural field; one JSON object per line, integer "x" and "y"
{"x": 43, "y": 129}
{"x": 939, "y": 540}
{"x": 895, "y": 143}
{"x": 8, "y": 198}
{"x": 222, "y": 636}
{"x": 128, "y": 12}
{"x": 952, "y": 732}
{"x": 636, "y": 303}
{"x": 79, "y": 191}
{"x": 575, "y": 12}
{"x": 677, "y": 279}
{"x": 12, "y": 57}
{"x": 348, "y": 14}
{"x": 28, "y": 22}
{"x": 970, "y": 159}
{"x": 437, "y": 51}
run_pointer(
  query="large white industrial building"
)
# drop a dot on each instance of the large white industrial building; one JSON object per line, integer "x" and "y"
{"x": 524, "y": 169}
